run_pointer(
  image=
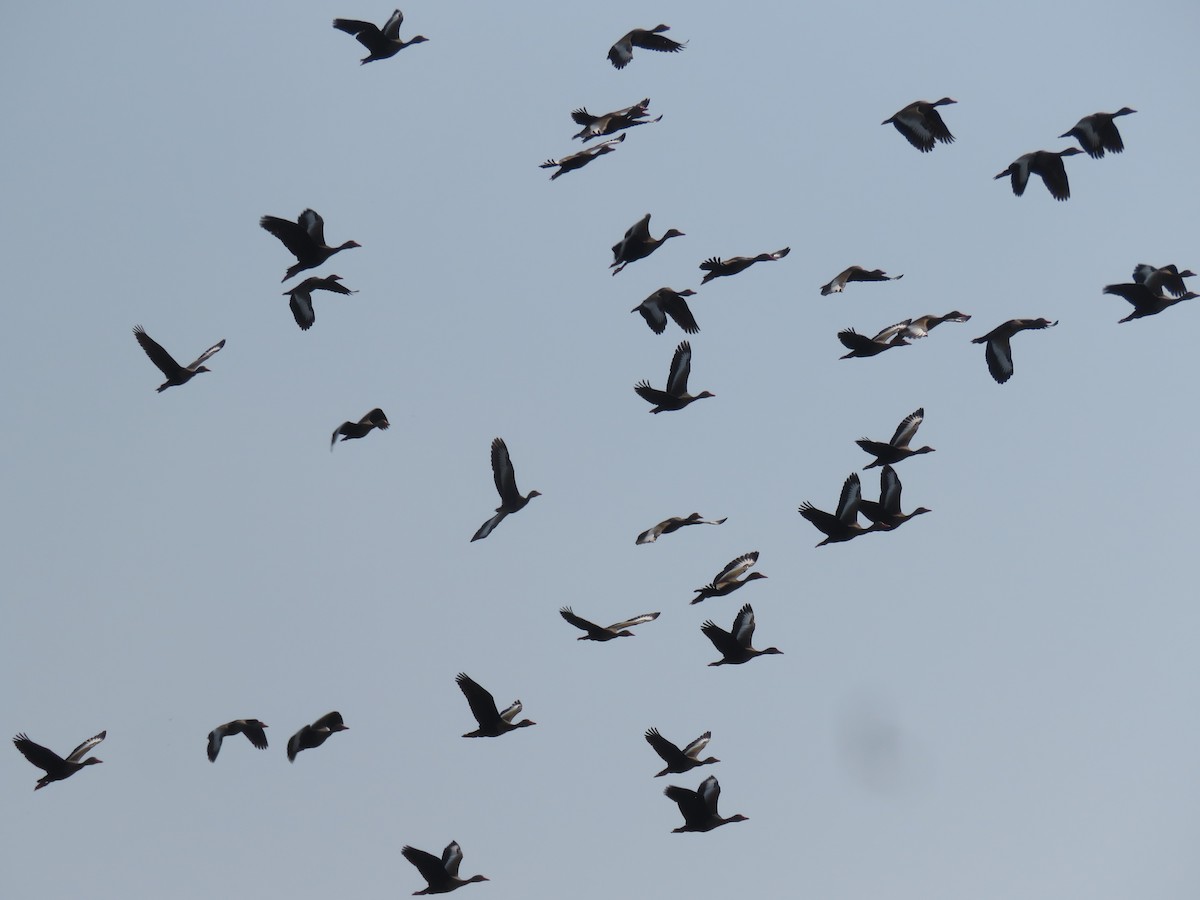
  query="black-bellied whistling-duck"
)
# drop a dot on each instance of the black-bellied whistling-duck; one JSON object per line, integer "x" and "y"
{"x": 921, "y": 124}
{"x": 612, "y": 122}
{"x": 648, "y": 39}
{"x": 862, "y": 346}
{"x": 441, "y": 874}
{"x": 999, "y": 352}
{"x": 1167, "y": 280}
{"x": 673, "y": 524}
{"x": 582, "y": 158}
{"x": 734, "y": 646}
{"x": 663, "y": 303}
{"x": 1144, "y": 301}
{"x": 176, "y": 374}
{"x": 676, "y": 395}
{"x": 914, "y": 329}
{"x": 55, "y": 767}
{"x": 300, "y": 297}
{"x": 1098, "y": 132}
{"x": 1047, "y": 164}
{"x": 492, "y": 722}
{"x": 601, "y": 633}
{"x": 351, "y": 430}
{"x": 699, "y": 807}
{"x": 679, "y": 761}
{"x": 855, "y": 273}
{"x": 717, "y": 267}
{"x": 305, "y": 238}
{"x": 843, "y": 524}
{"x": 637, "y": 243}
{"x": 898, "y": 447}
{"x": 505, "y": 477}
{"x": 381, "y": 43}
{"x": 314, "y": 735}
{"x": 729, "y": 578}
{"x": 886, "y": 511}
{"x": 251, "y": 728}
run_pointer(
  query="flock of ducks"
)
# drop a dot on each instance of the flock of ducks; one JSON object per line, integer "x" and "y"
{"x": 1152, "y": 290}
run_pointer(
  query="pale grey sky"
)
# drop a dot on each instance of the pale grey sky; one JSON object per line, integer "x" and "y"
{"x": 995, "y": 701}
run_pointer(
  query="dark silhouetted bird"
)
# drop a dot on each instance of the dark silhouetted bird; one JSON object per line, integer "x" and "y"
{"x": 676, "y": 395}
{"x": 598, "y": 633}
{"x": 55, "y": 767}
{"x": 663, "y": 303}
{"x": 679, "y": 761}
{"x": 921, "y": 124}
{"x": 492, "y": 722}
{"x": 582, "y": 158}
{"x": 699, "y": 807}
{"x": 176, "y": 374}
{"x": 381, "y": 43}
{"x": 1098, "y": 132}
{"x": 717, "y": 267}
{"x": 898, "y": 447}
{"x": 886, "y": 511}
{"x": 251, "y": 728}
{"x": 855, "y": 273}
{"x": 637, "y": 243}
{"x": 729, "y": 579}
{"x": 734, "y": 646}
{"x": 305, "y": 238}
{"x": 843, "y": 524}
{"x": 300, "y": 297}
{"x": 648, "y": 39}
{"x": 1046, "y": 164}
{"x": 315, "y": 735}
{"x": 998, "y": 351}
{"x": 350, "y": 431}
{"x": 441, "y": 874}
{"x": 511, "y": 500}
{"x": 673, "y": 524}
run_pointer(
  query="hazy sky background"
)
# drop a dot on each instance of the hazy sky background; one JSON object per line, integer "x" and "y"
{"x": 997, "y": 700}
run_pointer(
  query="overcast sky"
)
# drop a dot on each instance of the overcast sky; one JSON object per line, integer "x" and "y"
{"x": 997, "y": 700}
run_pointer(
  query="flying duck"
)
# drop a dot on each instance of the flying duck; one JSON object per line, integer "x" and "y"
{"x": 855, "y": 273}
{"x": 1098, "y": 132}
{"x": 351, "y": 430}
{"x": 921, "y": 124}
{"x": 734, "y": 645}
{"x": 637, "y": 244}
{"x": 842, "y": 525}
{"x": 505, "y": 477}
{"x": 1045, "y": 163}
{"x": 251, "y": 728}
{"x": 380, "y": 43}
{"x": 1145, "y": 302}
{"x": 1168, "y": 279}
{"x": 886, "y": 512}
{"x": 998, "y": 351}
{"x": 862, "y": 346}
{"x": 314, "y": 735}
{"x": 717, "y": 267}
{"x": 727, "y": 581}
{"x": 442, "y": 874}
{"x": 648, "y": 39}
{"x": 663, "y": 303}
{"x": 699, "y": 807}
{"x": 914, "y": 329}
{"x": 492, "y": 723}
{"x": 305, "y": 238}
{"x": 679, "y": 761}
{"x": 898, "y": 447}
{"x": 676, "y": 395}
{"x": 598, "y": 633}
{"x": 582, "y": 158}
{"x": 612, "y": 122}
{"x": 55, "y": 767}
{"x": 176, "y": 374}
{"x": 673, "y": 524}
{"x": 300, "y": 297}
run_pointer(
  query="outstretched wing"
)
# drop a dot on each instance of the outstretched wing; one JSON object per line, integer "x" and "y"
{"x": 427, "y": 864}
{"x": 743, "y": 626}
{"x": 451, "y": 857}
{"x": 578, "y": 621}
{"x": 207, "y": 353}
{"x": 681, "y": 370}
{"x": 160, "y": 357}
{"x": 483, "y": 705}
{"x": 847, "y": 508}
{"x": 502, "y": 472}
{"x": 907, "y": 429}
{"x": 42, "y": 757}
{"x": 636, "y": 620}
